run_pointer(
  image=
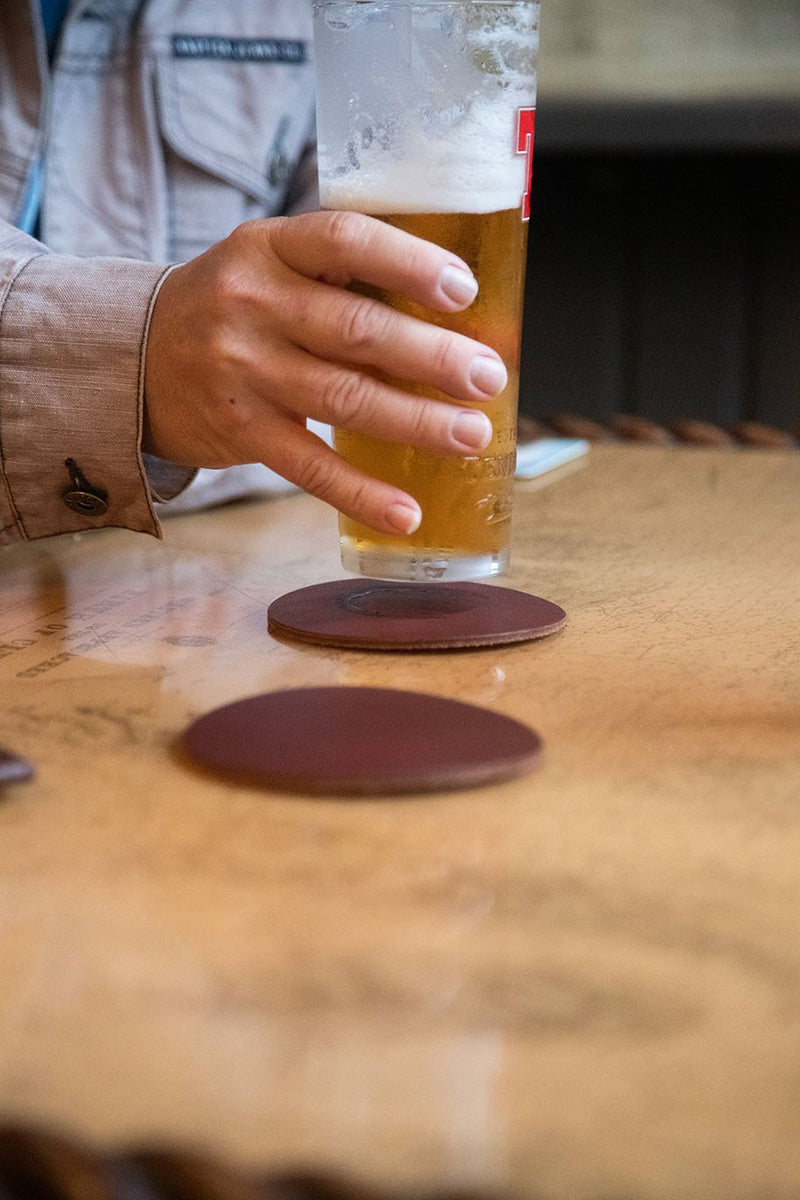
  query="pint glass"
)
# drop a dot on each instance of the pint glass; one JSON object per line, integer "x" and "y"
{"x": 426, "y": 120}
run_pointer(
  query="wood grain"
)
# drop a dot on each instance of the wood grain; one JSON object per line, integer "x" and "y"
{"x": 584, "y": 983}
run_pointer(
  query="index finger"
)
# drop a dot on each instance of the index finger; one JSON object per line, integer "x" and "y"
{"x": 342, "y": 247}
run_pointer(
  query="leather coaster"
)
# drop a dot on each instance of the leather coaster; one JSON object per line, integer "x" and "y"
{"x": 14, "y": 769}
{"x": 357, "y": 741}
{"x": 374, "y": 615}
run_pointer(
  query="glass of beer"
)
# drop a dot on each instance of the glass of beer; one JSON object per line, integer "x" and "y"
{"x": 425, "y": 112}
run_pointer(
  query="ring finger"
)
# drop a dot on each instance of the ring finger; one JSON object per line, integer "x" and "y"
{"x": 347, "y": 398}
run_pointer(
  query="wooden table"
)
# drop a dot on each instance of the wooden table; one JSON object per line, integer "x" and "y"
{"x": 581, "y": 984}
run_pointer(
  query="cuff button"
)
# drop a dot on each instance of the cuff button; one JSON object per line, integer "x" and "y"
{"x": 86, "y": 503}
{"x": 81, "y": 496}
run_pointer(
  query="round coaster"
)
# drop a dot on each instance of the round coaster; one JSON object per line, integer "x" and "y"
{"x": 357, "y": 741}
{"x": 374, "y": 615}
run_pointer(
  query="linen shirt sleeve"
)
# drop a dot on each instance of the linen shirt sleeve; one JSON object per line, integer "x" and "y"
{"x": 73, "y": 333}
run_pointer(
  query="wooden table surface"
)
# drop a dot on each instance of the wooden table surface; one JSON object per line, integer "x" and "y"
{"x": 584, "y": 983}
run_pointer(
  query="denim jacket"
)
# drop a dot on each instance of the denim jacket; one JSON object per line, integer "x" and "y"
{"x": 161, "y": 126}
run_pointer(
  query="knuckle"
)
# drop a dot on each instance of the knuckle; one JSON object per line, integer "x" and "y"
{"x": 257, "y": 234}
{"x": 239, "y": 237}
{"x": 364, "y": 324}
{"x": 445, "y": 353}
{"x": 270, "y": 235}
{"x": 348, "y": 399}
{"x": 422, "y": 423}
{"x": 229, "y": 286}
{"x": 331, "y": 480}
{"x": 359, "y": 499}
{"x": 348, "y": 231}
{"x": 319, "y": 476}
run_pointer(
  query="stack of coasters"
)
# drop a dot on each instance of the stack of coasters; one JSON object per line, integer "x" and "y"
{"x": 369, "y": 614}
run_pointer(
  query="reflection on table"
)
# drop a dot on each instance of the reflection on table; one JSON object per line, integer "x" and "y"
{"x": 582, "y": 983}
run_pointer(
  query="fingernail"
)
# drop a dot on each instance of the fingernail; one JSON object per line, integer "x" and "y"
{"x": 488, "y": 375}
{"x": 473, "y": 429}
{"x": 405, "y": 518}
{"x": 458, "y": 285}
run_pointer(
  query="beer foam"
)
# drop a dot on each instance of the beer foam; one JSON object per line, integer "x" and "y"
{"x": 449, "y": 144}
{"x": 468, "y": 164}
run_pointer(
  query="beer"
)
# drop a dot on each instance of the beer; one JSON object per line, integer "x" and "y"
{"x": 425, "y": 120}
{"x": 465, "y": 502}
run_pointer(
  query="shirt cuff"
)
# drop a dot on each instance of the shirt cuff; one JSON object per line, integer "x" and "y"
{"x": 72, "y": 338}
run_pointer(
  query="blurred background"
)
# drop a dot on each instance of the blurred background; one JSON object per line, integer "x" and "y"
{"x": 664, "y": 259}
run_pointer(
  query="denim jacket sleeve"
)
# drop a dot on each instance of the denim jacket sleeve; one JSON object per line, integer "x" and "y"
{"x": 72, "y": 340}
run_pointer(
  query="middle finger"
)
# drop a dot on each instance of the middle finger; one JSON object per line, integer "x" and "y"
{"x": 346, "y": 327}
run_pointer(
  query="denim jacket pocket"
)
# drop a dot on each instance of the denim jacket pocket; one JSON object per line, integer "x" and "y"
{"x": 234, "y": 132}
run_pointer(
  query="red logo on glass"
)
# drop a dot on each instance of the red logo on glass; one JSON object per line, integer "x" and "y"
{"x": 526, "y": 124}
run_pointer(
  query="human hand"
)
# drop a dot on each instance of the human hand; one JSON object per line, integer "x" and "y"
{"x": 258, "y": 333}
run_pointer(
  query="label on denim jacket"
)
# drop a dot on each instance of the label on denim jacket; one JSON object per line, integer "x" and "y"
{"x": 237, "y": 49}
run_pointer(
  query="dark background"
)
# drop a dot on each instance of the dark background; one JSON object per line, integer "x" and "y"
{"x": 664, "y": 260}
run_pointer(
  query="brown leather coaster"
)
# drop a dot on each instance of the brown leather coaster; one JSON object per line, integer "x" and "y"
{"x": 374, "y": 615}
{"x": 357, "y": 741}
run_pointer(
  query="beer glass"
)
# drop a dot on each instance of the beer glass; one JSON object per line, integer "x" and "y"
{"x": 425, "y": 113}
